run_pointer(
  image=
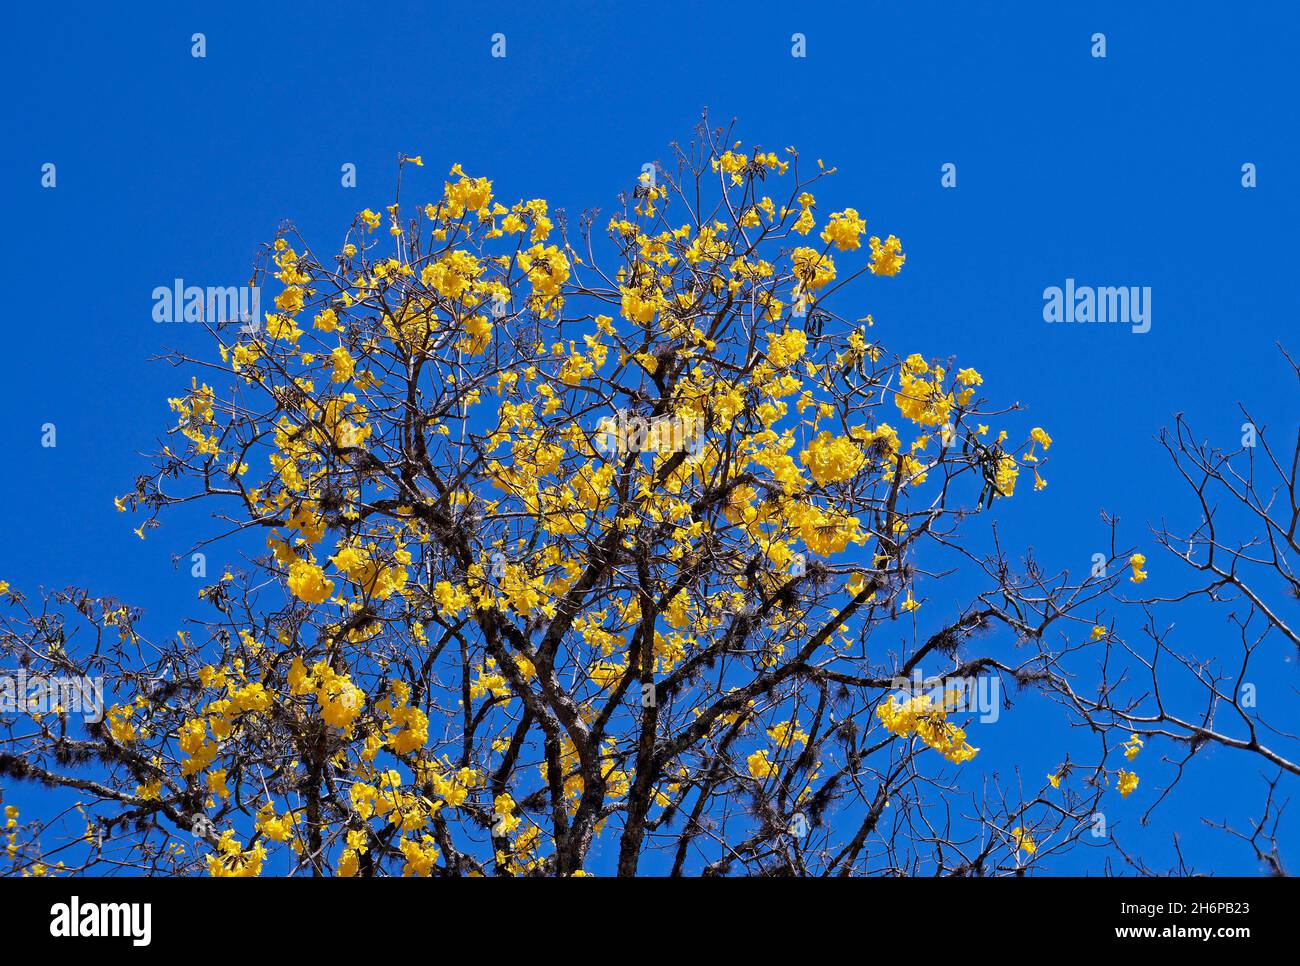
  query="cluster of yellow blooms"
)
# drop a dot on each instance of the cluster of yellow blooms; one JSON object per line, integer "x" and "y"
{"x": 927, "y": 719}
{"x": 1127, "y": 781}
{"x": 340, "y": 700}
{"x": 785, "y": 735}
{"x": 760, "y": 766}
{"x": 223, "y": 716}
{"x": 831, "y": 459}
{"x": 408, "y": 726}
{"x": 1024, "y": 840}
{"x": 11, "y": 830}
{"x": 231, "y": 861}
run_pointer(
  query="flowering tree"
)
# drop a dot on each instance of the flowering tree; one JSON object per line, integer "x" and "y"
{"x": 568, "y": 549}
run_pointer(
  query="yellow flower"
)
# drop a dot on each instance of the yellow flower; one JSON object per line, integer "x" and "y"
{"x": 813, "y": 269}
{"x": 1137, "y": 562}
{"x": 787, "y": 733}
{"x": 231, "y": 861}
{"x": 1008, "y": 470}
{"x": 217, "y": 783}
{"x": 420, "y": 856}
{"x": 349, "y": 863}
{"x": 786, "y": 348}
{"x": 451, "y": 600}
{"x": 844, "y": 230}
{"x": 1024, "y": 841}
{"x": 918, "y": 716}
{"x": 759, "y": 766}
{"x": 887, "y": 258}
{"x": 1127, "y": 782}
{"x": 344, "y": 365}
{"x": 274, "y": 827}
{"x": 606, "y": 674}
{"x": 831, "y": 459}
{"x": 921, "y": 395}
{"x": 307, "y": 582}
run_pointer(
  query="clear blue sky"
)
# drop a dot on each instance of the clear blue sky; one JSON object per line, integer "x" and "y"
{"x": 1122, "y": 171}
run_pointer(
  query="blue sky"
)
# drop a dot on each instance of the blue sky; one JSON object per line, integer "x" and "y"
{"x": 1117, "y": 171}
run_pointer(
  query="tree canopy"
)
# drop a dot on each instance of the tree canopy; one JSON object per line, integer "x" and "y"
{"x": 619, "y": 536}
